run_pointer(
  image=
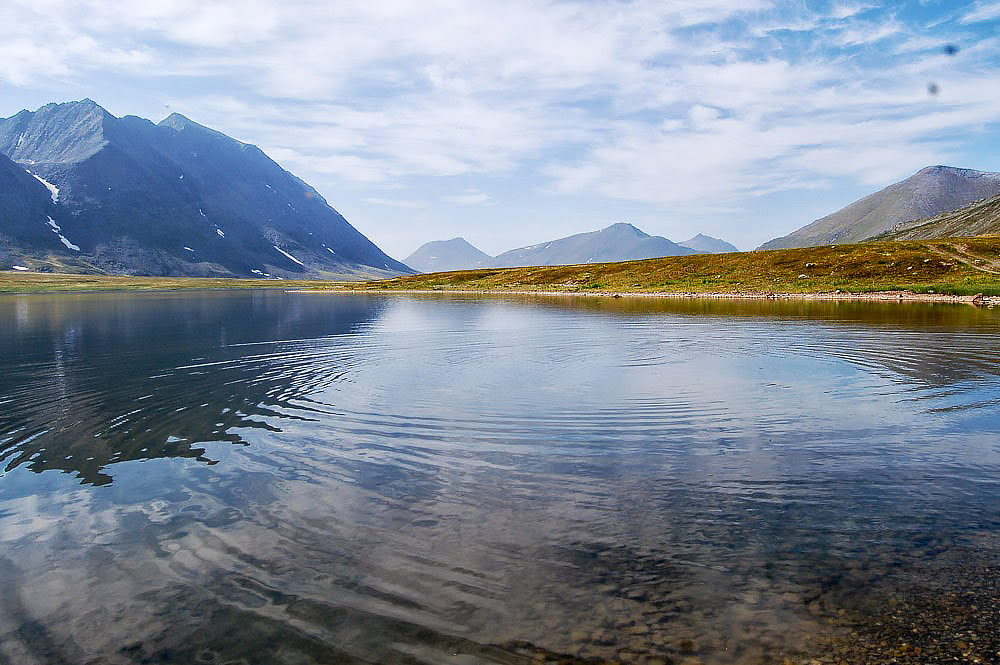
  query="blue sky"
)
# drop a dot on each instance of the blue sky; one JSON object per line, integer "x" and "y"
{"x": 517, "y": 122}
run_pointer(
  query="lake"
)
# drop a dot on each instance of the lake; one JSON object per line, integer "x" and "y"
{"x": 269, "y": 477}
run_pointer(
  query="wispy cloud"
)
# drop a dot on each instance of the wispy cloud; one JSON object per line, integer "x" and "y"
{"x": 982, "y": 11}
{"x": 467, "y": 198}
{"x": 842, "y": 10}
{"x": 396, "y": 203}
{"x": 688, "y": 103}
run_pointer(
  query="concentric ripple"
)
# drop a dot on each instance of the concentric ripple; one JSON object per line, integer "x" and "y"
{"x": 299, "y": 478}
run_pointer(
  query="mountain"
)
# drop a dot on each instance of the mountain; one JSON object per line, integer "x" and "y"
{"x": 618, "y": 242}
{"x": 127, "y": 196}
{"x": 979, "y": 218}
{"x": 25, "y": 206}
{"x": 930, "y": 191}
{"x": 709, "y": 245}
{"x": 446, "y": 255}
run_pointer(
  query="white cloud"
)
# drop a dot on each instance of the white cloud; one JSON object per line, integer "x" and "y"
{"x": 868, "y": 33}
{"x": 670, "y": 104}
{"x": 842, "y": 10}
{"x": 396, "y": 203}
{"x": 467, "y": 198}
{"x": 982, "y": 11}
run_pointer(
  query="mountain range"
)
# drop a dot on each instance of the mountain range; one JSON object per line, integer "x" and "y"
{"x": 447, "y": 255}
{"x": 708, "y": 245}
{"x": 84, "y": 191}
{"x": 618, "y": 242}
{"x": 928, "y": 192}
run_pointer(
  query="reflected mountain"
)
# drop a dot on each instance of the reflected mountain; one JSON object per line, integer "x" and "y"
{"x": 110, "y": 378}
{"x": 476, "y": 480}
{"x": 100, "y": 379}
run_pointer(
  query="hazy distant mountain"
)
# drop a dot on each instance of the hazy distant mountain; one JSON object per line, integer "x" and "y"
{"x": 127, "y": 196}
{"x": 979, "y": 218}
{"x": 703, "y": 243}
{"x": 930, "y": 191}
{"x": 618, "y": 242}
{"x": 445, "y": 255}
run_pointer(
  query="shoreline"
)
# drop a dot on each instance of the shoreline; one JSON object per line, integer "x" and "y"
{"x": 874, "y": 296}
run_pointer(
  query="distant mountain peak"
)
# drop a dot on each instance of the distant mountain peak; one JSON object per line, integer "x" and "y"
{"x": 930, "y": 191}
{"x": 180, "y": 123}
{"x": 625, "y": 227}
{"x": 444, "y": 255}
{"x": 619, "y": 242}
{"x": 937, "y": 168}
{"x": 176, "y": 120}
{"x": 704, "y": 243}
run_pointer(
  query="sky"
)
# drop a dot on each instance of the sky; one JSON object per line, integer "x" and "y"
{"x": 528, "y": 120}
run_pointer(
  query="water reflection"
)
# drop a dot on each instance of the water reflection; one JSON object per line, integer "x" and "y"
{"x": 427, "y": 480}
{"x": 932, "y": 343}
{"x": 99, "y": 379}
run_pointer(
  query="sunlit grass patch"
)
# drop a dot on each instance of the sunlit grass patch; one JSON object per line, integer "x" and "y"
{"x": 956, "y": 265}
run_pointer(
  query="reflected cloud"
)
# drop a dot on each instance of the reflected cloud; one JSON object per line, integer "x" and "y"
{"x": 104, "y": 379}
{"x": 477, "y": 479}
{"x": 904, "y": 340}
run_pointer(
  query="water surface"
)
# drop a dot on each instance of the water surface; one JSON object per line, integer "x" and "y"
{"x": 299, "y": 478}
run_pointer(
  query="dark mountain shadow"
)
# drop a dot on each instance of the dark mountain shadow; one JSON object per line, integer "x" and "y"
{"x": 96, "y": 380}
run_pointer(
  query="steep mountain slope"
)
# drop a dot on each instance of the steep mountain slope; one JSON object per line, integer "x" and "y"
{"x": 177, "y": 198}
{"x": 25, "y": 206}
{"x": 930, "y": 191}
{"x": 979, "y": 218}
{"x": 703, "y": 243}
{"x": 445, "y": 255}
{"x": 618, "y": 242}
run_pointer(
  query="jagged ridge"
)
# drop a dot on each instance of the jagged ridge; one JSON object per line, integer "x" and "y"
{"x": 174, "y": 198}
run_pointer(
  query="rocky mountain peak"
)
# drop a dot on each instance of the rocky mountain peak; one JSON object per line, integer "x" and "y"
{"x": 126, "y": 196}
{"x": 938, "y": 169}
{"x": 177, "y": 121}
{"x": 626, "y": 228}
{"x": 56, "y": 133}
{"x": 930, "y": 191}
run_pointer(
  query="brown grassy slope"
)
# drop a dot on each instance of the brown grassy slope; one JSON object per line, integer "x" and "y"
{"x": 979, "y": 218}
{"x": 960, "y": 266}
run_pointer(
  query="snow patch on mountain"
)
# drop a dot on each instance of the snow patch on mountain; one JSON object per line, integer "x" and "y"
{"x": 53, "y": 190}
{"x": 289, "y": 255}
{"x": 57, "y": 230}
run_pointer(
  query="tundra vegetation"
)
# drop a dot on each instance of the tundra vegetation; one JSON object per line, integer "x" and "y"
{"x": 956, "y": 266}
{"x": 949, "y": 266}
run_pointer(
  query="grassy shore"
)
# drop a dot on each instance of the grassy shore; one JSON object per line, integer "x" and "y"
{"x": 956, "y": 266}
{"x": 952, "y": 266}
